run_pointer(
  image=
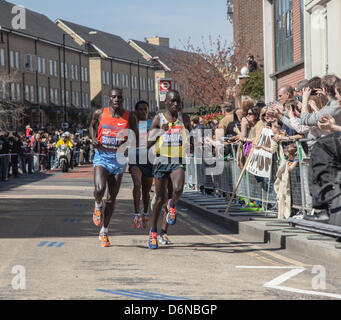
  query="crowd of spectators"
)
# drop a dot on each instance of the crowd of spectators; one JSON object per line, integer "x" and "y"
{"x": 309, "y": 111}
{"x": 34, "y": 150}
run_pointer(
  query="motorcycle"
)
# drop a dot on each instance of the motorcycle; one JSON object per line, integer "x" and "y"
{"x": 64, "y": 157}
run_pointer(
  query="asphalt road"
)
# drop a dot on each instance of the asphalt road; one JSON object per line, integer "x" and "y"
{"x": 49, "y": 249}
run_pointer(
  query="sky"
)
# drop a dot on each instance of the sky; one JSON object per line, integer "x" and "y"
{"x": 180, "y": 20}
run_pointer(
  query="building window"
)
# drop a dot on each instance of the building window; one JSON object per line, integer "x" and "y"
{"x": 18, "y": 92}
{"x": 32, "y": 94}
{"x": 40, "y": 95}
{"x": 17, "y": 60}
{"x": 51, "y": 95}
{"x": 284, "y": 40}
{"x": 76, "y": 73}
{"x": 2, "y": 57}
{"x": 29, "y": 62}
{"x": 11, "y": 59}
{"x": 56, "y": 96}
{"x": 302, "y": 27}
{"x": 86, "y": 74}
{"x": 27, "y": 93}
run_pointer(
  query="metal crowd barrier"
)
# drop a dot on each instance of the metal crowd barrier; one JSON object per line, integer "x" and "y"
{"x": 198, "y": 177}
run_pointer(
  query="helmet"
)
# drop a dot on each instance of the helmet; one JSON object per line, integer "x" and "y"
{"x": 67, "y": 134}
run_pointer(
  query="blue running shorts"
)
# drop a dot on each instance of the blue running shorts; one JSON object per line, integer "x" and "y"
{"x": 109, "y": 161}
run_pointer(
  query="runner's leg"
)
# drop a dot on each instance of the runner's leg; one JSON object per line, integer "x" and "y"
{"x": 114, "y": 184}
{"x": 136, "y": 176}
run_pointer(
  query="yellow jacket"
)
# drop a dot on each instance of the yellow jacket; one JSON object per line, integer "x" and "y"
{"x": 61, "y": 142}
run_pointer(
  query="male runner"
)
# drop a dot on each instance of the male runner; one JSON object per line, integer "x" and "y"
{"x": 169, "y": 166}
{"x": 112, "y": 123}
{"x": 142, "y": 170}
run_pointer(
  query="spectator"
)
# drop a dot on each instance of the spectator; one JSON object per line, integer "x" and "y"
{"x": 228, "y": 111}
{"x": 251, "y": 63}
{"x": 36, "y": 148}
{"x": 4, "y": 154}
{"x": 332, "y": 108}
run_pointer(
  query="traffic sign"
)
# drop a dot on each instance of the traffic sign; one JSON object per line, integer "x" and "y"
{"x": 165, "y": 85}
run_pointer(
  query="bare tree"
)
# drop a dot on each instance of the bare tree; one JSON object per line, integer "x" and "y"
{"x": 11, "y": 111}
{"x": 207, "y": 75}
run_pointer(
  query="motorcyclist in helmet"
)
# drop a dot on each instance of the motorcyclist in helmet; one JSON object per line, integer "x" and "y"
{"x": 66, "y": 139}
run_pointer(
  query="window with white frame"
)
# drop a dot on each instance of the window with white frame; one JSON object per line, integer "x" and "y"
{"x": 55, "y": 68}
{"x": 27, "y": 92}
{"x": 11, "y": 59}
{"x": 107, "y": 77}
{"x": 114, "y": 79}
{"x": 103, "y": 78}
{"x": 51, "y": 67}
{"x": 40, "y": 95}
{"x": 72, "y": 72}
{"x": 32, "y": 94}
{"x": 44, "y": 95}
{"x": 18, "y": 91}
{"x": 82, "y": 74}
{"x": 67, "y": 97}
{"x": 86, "y": 74}
{"x": 76, "y": 73}
{"x": 56, "y": 96}
{"x": 13, "y": 96}
{"x": 17, "y": 60}
{"x": 2, "y": 57}
{"x": 51, "y": 95}
{"x": 3, "y": 90}
{"x": 43, "y": 65}
{"x": 39, "y": 64}
{"x": 117, "y": 79}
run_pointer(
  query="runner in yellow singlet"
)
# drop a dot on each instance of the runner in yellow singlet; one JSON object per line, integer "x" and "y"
{"x": 169, "y": 166}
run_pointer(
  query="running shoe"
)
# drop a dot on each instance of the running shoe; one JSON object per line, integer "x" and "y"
{"x": 137, "y": 221}
{"x": 171, "y": 214}
{"x": 104, "y": 240}
{"x": 145, "y": 220}
{"x": 97, "y": 217}
{"x": 163, "y": 239}
{"x": 153, "y": 240}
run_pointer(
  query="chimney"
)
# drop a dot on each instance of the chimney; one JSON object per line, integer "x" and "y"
{"x": 164, "y": 42}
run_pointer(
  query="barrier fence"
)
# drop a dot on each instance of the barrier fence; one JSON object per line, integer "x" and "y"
{"x": 199, "y": 177}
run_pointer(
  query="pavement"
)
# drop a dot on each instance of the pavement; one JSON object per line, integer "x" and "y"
{"x": 256, "y": 226}
{"x": 46, "y": 229}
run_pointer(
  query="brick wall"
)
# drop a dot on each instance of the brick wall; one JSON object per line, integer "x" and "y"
{"x": 248, "y": 28}
{"x": 297, "y": 30}
{"x": 291, "y": 77}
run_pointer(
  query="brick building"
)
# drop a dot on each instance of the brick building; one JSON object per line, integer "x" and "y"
{"x": 283, "y": 45}
{"x": 113, "y": 63}
{"x": 156, "y": 50}
{"x": 247, "y": 19}
{"x": 32, "y": 58}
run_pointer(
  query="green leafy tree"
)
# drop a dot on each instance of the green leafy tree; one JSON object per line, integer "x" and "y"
{"x": 254, "y": 85}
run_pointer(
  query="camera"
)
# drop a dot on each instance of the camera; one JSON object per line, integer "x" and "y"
{"x": 313, "y": 92}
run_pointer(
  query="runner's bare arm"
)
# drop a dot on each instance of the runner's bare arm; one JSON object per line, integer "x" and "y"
{"x": 133, "y": 126}
{"x": 188, "y": 126}
{"x": 93, "y": 127}
{"x": 153, "y": 135}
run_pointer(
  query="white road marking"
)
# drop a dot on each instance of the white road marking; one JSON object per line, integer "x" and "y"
{"x": 276, "y": 283}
